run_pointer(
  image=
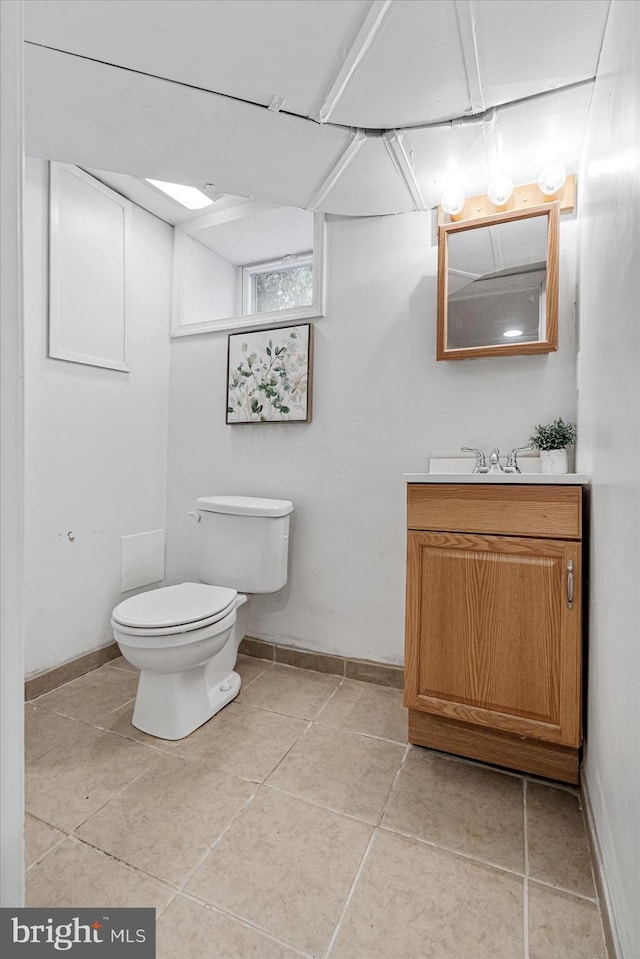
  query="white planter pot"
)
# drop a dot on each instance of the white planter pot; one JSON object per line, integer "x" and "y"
{"x": 553, "y": 461}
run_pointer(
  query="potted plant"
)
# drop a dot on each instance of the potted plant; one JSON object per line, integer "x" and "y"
{"x": 552, "y": 440}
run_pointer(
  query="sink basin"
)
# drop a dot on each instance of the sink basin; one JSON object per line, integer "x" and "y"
{"x": 459, "y": 469}
{"x": 466, "y": 464}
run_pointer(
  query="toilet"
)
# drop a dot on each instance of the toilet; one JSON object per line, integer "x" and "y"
{"x": 184, "y": 639}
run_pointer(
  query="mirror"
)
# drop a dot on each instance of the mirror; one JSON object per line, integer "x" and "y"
{"x": 249, "y": 264}
{"x": 498, "y": 285}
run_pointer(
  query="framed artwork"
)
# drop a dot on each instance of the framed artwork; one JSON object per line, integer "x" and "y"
{"x": 269, "y": 375}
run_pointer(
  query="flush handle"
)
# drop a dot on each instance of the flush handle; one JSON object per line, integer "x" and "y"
{"x": 570, "y": 584}
{"x": 195, "y": 515}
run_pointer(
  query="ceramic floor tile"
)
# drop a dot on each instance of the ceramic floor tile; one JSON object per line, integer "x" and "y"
{"x": 190, "y": 929}
{"x": 166, "y": 820}
{"x": 558, "y": 848}
{"x": 44, "y": 729}
{"x": 281, "y": 873}
{"x": 369, "y": 709}
{"x": 467, "y": 808}
{"x": 345, "y": 771}
{"x": 70, "y": 782}
{"x": 248, "y": 742}
{"x": 119, "y": 722}
{"x": 249, "y": 668}
{"x": 122, "y": 663}
{"x": 294, "y": 692}
{"x": 413, "y": 900}
{"x": 286, "y": 866}
{"x": 39, "y": 839}
{"x": 562, "y": 926}
{"x": 92, "y": 696}
{"x": 74, "y": 874}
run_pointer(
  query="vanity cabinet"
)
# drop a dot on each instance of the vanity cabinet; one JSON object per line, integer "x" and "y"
{"x": 493, "y": 623}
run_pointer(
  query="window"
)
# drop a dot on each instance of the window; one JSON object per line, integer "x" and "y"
{"x": 282, "y": 284}
{"x": 246, "y": 266}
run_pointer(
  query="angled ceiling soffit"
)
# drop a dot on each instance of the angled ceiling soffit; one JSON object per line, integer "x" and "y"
{"x": 94, "y": 115}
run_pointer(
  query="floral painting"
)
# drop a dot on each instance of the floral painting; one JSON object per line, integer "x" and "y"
{"x": 269, "y": 375}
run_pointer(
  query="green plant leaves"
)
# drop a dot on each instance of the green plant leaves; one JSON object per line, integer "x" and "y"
{"x": 553, "y": 436}
{"x": 270, "y": 382}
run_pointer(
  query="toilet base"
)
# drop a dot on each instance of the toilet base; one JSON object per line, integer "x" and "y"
{"x": 172, "y": 705}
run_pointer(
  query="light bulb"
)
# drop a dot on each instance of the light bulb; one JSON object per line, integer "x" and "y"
{"x": 552, "y": 178}
{"x": 500, "y": 190}
{"x": 452, "y": 201}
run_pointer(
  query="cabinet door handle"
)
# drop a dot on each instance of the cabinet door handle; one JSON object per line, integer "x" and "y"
{"x": 570, "y": 584}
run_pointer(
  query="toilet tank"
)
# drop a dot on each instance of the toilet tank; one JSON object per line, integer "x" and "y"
{"x": 243, "y": 542}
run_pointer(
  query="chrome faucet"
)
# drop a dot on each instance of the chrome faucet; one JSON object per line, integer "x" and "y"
{"x": 512, "y": 459}
{"x": 481, "y": 463}
{"x": 495, "y": 466}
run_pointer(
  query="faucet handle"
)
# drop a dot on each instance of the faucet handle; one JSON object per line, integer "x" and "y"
{"x": 481, "y": 463}
{"x": 512, "y": 459}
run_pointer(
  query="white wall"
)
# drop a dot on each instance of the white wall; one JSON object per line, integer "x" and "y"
{"x": 210, "y": 284}
{"x": 609, "y": 449}
{"x": 11, "y": 460}
{"x": 96, "y": 443}
{"x": 381, "y": 406}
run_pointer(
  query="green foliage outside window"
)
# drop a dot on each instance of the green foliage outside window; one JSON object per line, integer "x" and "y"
{"x": 283, "y": 289}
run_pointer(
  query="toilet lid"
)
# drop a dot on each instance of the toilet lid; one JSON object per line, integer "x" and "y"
{"x": 175, "y": 606}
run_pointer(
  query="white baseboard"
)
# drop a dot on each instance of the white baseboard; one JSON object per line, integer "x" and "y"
{"x": 611, "y": 937}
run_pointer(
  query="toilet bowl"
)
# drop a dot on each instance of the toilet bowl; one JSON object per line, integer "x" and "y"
{"x": 184, "y": 639}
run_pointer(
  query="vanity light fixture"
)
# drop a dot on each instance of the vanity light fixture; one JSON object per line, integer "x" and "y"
{"x": 186, "y": 196}
{"x": 452, "y": 202}
{"x": 512, "y": 333}
{"x": 551, "y": 180}
{"x": 500, "y": 190}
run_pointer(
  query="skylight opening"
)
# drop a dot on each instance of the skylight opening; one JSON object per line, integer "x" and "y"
{"x": 187, "y": 196}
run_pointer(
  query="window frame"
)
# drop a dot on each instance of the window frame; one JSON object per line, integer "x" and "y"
{"x": 279, "y": 265}
{"x": 179, "y": 325}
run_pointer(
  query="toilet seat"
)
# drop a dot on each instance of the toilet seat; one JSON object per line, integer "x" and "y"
{"x": 174, "y": 609}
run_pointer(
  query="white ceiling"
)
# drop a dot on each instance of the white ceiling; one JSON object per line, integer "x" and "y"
{"x": 264, "y": 236}
{"x": 159, "y": 203}
{"x": 375, "y": 103}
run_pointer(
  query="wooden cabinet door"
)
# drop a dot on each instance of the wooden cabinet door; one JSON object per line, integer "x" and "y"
{"x": 493, "y": 637}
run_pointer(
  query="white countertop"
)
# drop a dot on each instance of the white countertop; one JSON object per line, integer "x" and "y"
{"x": 531, "y": 479}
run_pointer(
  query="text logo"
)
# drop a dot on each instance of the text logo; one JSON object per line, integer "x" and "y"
{"x": 33, "y": 933}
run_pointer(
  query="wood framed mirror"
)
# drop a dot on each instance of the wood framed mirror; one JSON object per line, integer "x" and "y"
{"x": 498, "y": 284}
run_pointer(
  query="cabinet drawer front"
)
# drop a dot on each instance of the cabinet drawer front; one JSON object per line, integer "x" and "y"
{"x": 549, "y": 511}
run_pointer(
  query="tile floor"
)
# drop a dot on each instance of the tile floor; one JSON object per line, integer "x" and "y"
{"x": 298, "y": 822}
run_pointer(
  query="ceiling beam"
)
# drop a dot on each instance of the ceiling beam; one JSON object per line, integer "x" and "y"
{"x": 378, "y": 13}
{"x": 357, "y": 142}
{"x": 240, "y": 211}
{"x": 468, "y": 31}
{"x": 404, "y": 167}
